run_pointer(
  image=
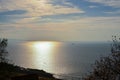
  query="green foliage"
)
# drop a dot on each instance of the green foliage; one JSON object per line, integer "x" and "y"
{"x": 3, "y": 52}
{"x": 107, "y": 68}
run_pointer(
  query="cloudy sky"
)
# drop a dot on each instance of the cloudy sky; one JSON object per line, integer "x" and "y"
{"x": 60, "y": 20}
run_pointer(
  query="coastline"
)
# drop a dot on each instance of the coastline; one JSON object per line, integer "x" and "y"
{"x": 10, "y": 71}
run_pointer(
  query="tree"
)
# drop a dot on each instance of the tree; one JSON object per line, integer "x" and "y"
{"x": 3, "y": 52}
{"x": 107, "y": 68}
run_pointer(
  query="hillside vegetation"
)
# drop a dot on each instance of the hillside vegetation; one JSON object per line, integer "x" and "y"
{"x": 107, "y": 68}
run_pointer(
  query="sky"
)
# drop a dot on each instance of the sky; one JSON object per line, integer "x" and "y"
{"x": 60, "y": 20}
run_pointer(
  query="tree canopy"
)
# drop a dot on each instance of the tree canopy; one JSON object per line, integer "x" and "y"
{"x": 3, "y": 52}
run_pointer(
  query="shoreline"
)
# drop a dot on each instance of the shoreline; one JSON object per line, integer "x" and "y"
{"x": 9, "y": 71}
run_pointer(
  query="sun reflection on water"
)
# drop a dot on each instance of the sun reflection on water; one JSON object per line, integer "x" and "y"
{"x": 43, "y": 54}
{"x": 43, "y": 47}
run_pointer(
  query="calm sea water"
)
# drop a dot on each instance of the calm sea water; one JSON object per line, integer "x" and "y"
{"x": 61, "y": 58}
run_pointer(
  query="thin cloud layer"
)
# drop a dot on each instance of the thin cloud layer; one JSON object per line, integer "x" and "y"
{"x": 72, "y": 30}
{"x": 62, "y": 20}
{"x": 113, "y": 3}
{"x": 37, "y": 7}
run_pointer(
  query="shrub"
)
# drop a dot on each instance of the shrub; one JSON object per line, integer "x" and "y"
{"x": 107, "y": 68}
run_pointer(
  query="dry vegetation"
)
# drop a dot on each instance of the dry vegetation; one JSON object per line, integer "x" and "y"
{"x": 107, "y": 68}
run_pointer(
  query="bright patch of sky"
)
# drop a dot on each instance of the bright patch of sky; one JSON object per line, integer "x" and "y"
{"x": 60, "y": 20}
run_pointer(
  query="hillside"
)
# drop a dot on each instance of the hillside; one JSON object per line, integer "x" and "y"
{"x": 7, "y": 71}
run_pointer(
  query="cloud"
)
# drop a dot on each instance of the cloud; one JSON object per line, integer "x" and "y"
{"x": 13, "y": 12}
{"x": 37, "y": 7}
{"x": 93, "y": 6}
{"x": 113, "y": 3}
{"x": 51, "y": 20}
{"x": 28, "y": 11}
{"x": 113, "y": 12}
{"x": 86, "y": 28}
{"x": 73, "y": 25}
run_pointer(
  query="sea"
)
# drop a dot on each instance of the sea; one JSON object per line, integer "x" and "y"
{"x": 66, "y": 60}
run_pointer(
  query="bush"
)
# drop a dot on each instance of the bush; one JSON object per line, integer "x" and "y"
{"x": 3, "y": 52}
{"x": 107, "y": 68}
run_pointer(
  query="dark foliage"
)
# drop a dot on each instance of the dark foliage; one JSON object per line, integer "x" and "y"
{"x": 10, "y": 70}
{"x": 3, "y": 52}
{"x": 107, "y": 68}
